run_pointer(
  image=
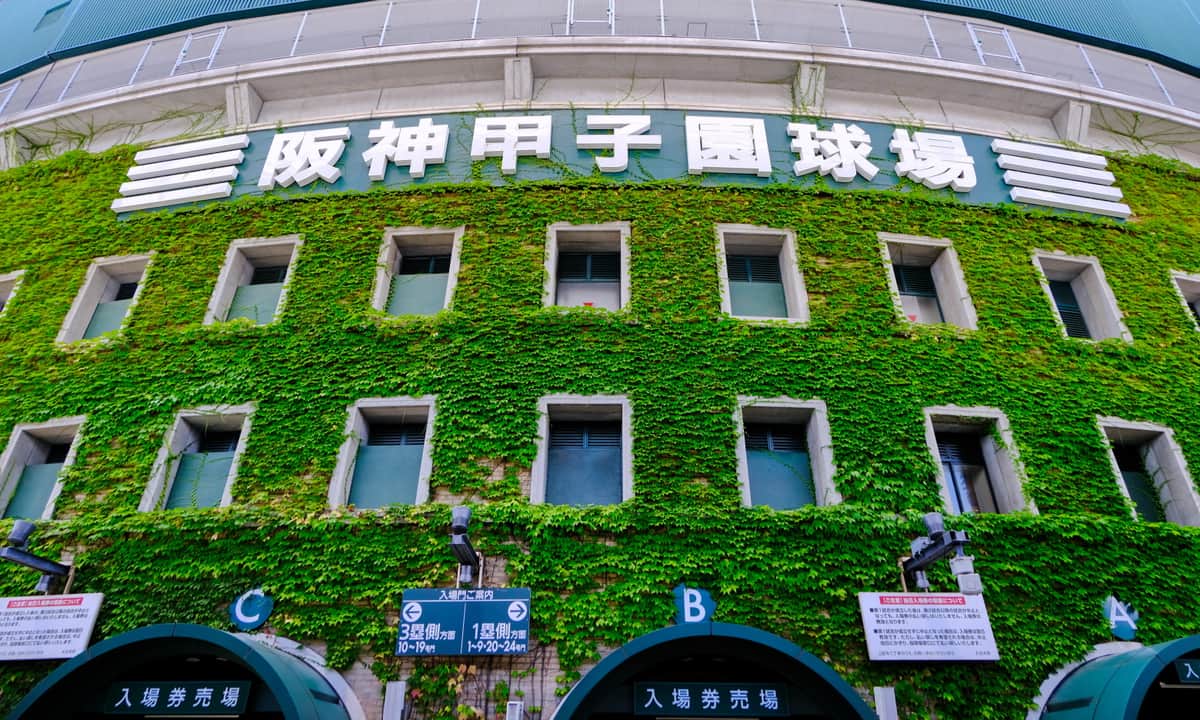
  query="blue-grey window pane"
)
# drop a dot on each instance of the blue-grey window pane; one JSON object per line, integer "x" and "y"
{"x": 757, "y": 299}
{"x": 33, "y": 491}
{"x": 583, "y": 476}
{"x": 200, "y": 480}
{"x": 584, "y": 463}
{"x": 107, "y": 317}
{"x": 1144, "y": 495}
{"x": 256, "y": 302}
{"x": 966, "y": 474}
{"x": 423, "y": 294}
{"x": 385, "y": 475}
{"x": 1069, "y": 309}
{"x": 1141, "y": 489}
{"x": 780, "y": 479}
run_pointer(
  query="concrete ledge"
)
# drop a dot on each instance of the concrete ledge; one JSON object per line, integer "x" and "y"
{"x": 688, "y": 73}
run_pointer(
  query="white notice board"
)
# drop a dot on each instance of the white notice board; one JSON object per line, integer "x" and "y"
{"x": 47, "y": 627}
{"x": 927, "y": 626}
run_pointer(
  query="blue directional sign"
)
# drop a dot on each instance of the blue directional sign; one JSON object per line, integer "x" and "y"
{"x": 464, "y": 622}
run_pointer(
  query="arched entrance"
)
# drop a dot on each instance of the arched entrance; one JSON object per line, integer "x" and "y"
{"x": 711, "y": 653}
{"x": 1159, "y": 681}
{"x": 151, "y": 662}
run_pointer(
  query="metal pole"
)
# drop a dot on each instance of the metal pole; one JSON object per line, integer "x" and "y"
{"x": 932, "y": 38}
{"x": 299, "y": 33}
{"x": 70, "y": 80}
{"x": 387, "y": 18}
{"x": 1091, "y": 67}
{"x": 845, "y": 28}
{"x": 1162, "y": 87}
{"x": 141, "y": 62}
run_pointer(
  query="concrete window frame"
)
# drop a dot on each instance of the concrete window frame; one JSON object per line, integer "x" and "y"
{"x": 10, "y": 283}
{"x": 26, "y": 446}
{"x": 1000, "y": 456}
{"x": 104, "y": 276}
{"x": 758, "y": 240}
{"x": 581, "y": 407}
{"x": 184, "y": 435}
{"x": 1164, "y": 462}
{"x": 399, "y": 242}
{"x": 1096, "y": 299}
{"x": 243, "y": 256}
{"x": 603, "y": 237}
{"x": 360, "y": 415}
{"x": 1187, "y": 286}
{"x": 814, "y": 416}
{"x": 939, "y": 256}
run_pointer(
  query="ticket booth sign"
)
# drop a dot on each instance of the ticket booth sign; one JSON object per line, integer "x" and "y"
{"x": 211, "y": 698}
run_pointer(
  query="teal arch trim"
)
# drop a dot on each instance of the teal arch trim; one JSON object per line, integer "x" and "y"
{"x": 300, "y": 691}
{"x": 1113, "y": 687}
{"x": 629, "y": 652}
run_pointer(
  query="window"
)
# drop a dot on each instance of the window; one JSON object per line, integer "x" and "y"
{"x": 584, "y": 451}
{"x": 785, "y": 457}
{"x": 9, "y": 282}
{"x": 587, "y": 265}
{"x": 1084, "y": 303}
{"x": 1188, "y": 287}
{"x": 31, "y": 466}
{"x": 1151, "y": 471}
{"x": 759, "y": 278}
{"x": 385, "y": 459}
{"x": 927, "y": 280}
{"x": 198, "y": 461}
{"x": 110, "y": 289}
{"x": 52, "y": 16}
{"x": 976, "y": 460}
{"x": 253, "y": 281}
{"x": 418, "y": 270}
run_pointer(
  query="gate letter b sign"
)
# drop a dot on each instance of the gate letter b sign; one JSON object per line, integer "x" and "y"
{"x": 693, "y": 605}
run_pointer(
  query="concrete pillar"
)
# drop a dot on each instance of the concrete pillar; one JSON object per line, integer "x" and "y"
{"x": 1072, "y": 121}
{"x": 242, "y": 105}
{"x": 808, "y": 89}
{"x": 518, "y": 80}
{"x": 14, "y": 150}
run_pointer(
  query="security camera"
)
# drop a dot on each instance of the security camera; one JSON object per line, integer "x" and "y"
{"x": 19, "y": 536}
{"x": 19, "y": 553}
{"x": 460, "y": 517}
{"x": 935, "y": 523}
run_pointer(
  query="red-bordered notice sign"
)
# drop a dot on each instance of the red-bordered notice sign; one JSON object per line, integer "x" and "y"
{"x": 927, "y": 626}
{"x": 47, "y": 627}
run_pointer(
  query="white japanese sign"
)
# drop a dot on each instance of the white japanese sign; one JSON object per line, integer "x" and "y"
{"x": 927, "y": 626}
{"x": 49, "y": 627}
{"x": 661, "y": 144}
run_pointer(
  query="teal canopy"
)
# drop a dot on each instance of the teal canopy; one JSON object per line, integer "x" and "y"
{"x": 283, "y": 685}
{"x": 687, "y": 652}
{"x": 1140, "y": 683}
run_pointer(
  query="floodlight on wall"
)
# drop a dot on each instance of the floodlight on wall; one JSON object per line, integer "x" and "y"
{"x": 469, "y": 561}
{"x": 929, "y": 549}
{"x": 54, "y": 574}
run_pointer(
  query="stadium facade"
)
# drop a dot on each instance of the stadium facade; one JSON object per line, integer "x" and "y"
{"x": 701, "y": 308}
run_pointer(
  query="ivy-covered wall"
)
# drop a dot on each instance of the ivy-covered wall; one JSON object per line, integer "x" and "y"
{"x": 603, "y": 575}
